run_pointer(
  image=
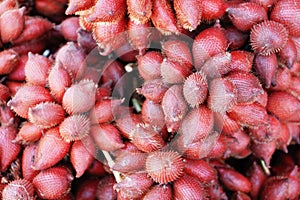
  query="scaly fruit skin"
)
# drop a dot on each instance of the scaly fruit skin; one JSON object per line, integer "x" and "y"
{"x": 47, "y": 156}
{"x": 203, "y": 112}
{"x": 53, "y": 183}
{"x": 18, "y": 189}
{"x": 139, "y": 11}
{"x": 159, "y": 171}
{"x": 245, "y": 15}
{"x": 10, "y": 33}
{"x": 188, "y": 13}
{"x": 8, "y": 150}
{"x": 262, "y": 37}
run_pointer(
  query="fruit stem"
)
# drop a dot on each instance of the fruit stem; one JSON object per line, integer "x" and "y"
{"x": 265, "y": 168}
{"x": 136, "y": 105}
{"x": 110, "y": 164}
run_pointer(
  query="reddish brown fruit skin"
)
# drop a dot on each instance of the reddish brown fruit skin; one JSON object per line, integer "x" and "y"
{"x": 146, "y": 138}
{"x": 251, "y": 115}
{"x": 34, "y": 27}
{"x": 159, "y": 192}
{"x": 126, "y": 124}
{"x": 133, "y": 186}
{"x": 294, "y": 87}
{"x": 105, "y": 189}
{"x": 223, "y": 95}
{"x": 110, "y": 36}
{"x": 163, "y": 17}
{"x": 87, "y": 189}
{"x": 208, "y": 43}
{"x": 8, "y": 61}
{"x": 53, "y": 183}
{"x": 85, "y": 40}
{"x": 77, "y": 5}
{"x": 209, "y": 147}
{"x": 268, "y": 37}
{"x": 216, "y": 191}
{"x": 13, "y": 87}
{"x": 257, "y": 178}
{"x": 241, "y": 60}
{"x": 164, "y": 167}
{"x": 288, "y": 54}
{"x": 195, "y": 89}
{"x": 7, "y": 5}
{"x": 79, "y": 97}
{"x": 245, "y": 15}
{"x": 28, "y": 158}
{"x": 226, "y": 124}
{"x": 72, "y": 58}
{"x": 188, "y": 13}
{"x": 34, "y": 46}
{"x": 179, "y": 51}
{"x": 217, "y": 65}
{"x": 173, "y": 72}
{"x": 28, "y": 133}
{"x": 139, "y": 11}
{"x": 266, "y": 67}
{"x": 200, "y": 169}
{"x": 275, "y": 187}
{"x": 282, "y": 80}
{"x": 196, "y": 125}
{"x": 82, "y": 155}
{"x": 284, "y": 106}
{"x": 84, "y": 24}
{"x": 188, "y": 187}
{"x": 233, "y": 180}
{"x": 51, "y": 9}
{"x": 212, "y": 10}
{"x": 8, "y": 117}
{"x": 107, "y": 11}
{"x": 153, "y": 90}
{"x": 46, "y": 115}
{"x": 128, "y": 162}
{"x": 236, "y": 38}
{"x": 153, "y": 114}
{"x": 284, "y": 137}
{"x": 36, "y": 69}
{"x": 112, "y": 71}
{"x": 240, "y": 196}
{"x": 138, "y": 35}
{"x": 106, "y": 137}
{"x": 96, "y": 168}
{"x": 4, "y": 94}
{"x": 296, "y": 41}
{"x": 46, "y": 155}
{"x": 18, "y": 189}
{"x": 103, "y": 110}
{"x": 69, "y": 27}
{"x": 264, "y": 150}
{"x": 8, "y": 150}
{"x": 58, "y": 80}
{"x": 285, "y": 12}
{"x": 149, "y": 65}
{"x": 248, "y": 86}
{"x": 237, "y": 144}
{"x": 174, "y": 107}
{"x": 9, "y": 33}
{"x": 74, "y": 127}
{"x": 28, "y": 96}
{"x": 18, "y": 73}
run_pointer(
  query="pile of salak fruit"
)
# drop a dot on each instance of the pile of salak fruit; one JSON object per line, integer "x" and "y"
{"x": 150, "y": 99}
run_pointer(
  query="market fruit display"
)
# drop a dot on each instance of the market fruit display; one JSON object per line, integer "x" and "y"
{"x": 150, "y": 99}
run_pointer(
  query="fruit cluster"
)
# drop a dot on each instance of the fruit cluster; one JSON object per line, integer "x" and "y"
{"x": 150, "y": 99}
